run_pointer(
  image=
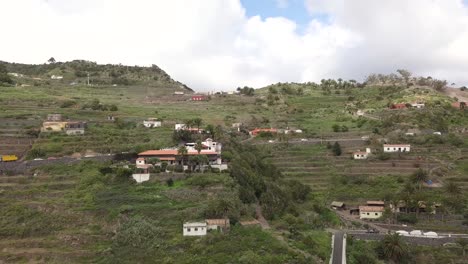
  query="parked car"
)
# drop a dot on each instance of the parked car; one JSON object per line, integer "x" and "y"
{"x": 372, "y": 231}
{"x": 365, "y": 137}
{"x": 304, "y": 139}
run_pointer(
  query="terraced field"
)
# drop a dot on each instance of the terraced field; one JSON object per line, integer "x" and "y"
{"x": 329, "y": 175}
{"x": 47, "y": 227}
{"x": 14, "y": 139}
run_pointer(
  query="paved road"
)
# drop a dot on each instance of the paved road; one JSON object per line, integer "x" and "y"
{"x": 337, "y": 255}
{"x": 311, "y": 141}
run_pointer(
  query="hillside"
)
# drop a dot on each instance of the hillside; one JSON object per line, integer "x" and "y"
{"x": 92, "y": 212}
{"x": 76, "y": 72}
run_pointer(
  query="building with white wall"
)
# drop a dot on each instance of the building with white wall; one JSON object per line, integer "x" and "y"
{"x": 152, "y": 122}
{"x": 195, "y": 229}
{"x": 361, "y": 154}
{"x": 389, "y": 148}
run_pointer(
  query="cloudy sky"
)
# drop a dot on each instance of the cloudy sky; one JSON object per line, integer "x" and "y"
{"x": 222, "y": 44}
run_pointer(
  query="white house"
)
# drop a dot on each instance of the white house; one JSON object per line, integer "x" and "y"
{"x": 418, "y": 105}
{"x": 361, "y": 154}
{"x": 370, "y": 212}
{"x": 152, "y": 122}
{"x": 178, "y": 93}
{"x": 195, "y": 229}
{"x": 396, "y": 148}
{"x": 360, "y": 112}
{"x": 56, "y": 77}
{"x": 180, "y": 127}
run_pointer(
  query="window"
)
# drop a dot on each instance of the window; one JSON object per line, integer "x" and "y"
{"x": 196, "y": 228}
{"x": 368, "y": 214}
{"x": 394, "y": 148}
{"x": 376, "y": 214}
{"x": 188, "y": 229}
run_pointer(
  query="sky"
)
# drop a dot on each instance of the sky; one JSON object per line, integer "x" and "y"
{"x": 222, "y": 44}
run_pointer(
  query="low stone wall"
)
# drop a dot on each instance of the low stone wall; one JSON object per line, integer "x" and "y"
{"x": 424, "y": 241}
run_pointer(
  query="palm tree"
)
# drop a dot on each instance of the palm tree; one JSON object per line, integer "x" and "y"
{"x": 198, "y": 146}
{"x": 197, "y": 122}
{"x": 419, "y": 177}
{"x": 394, "y": 248}
{"x": 182, "y": 151}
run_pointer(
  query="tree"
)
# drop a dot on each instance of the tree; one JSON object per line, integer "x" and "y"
{"x": 51, "y": 60}
{"x": 197, "y": 122}
{"x": 419, "y": 177}
{"x": 4, "y": 77}
{"x": 394, "y": 248}
{"x": 405, "y": 74}
{"x": 153, "y": 161}
{"x": 336, "y": 148}
{"x": 439, "y": 85}
{"x": 463, "y": 242}
{"x": 198, "y": 146}
{"x": 182, "y": 151}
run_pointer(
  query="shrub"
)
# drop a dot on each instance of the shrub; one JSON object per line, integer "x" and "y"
{"x": 179, "y": 168}
{"x": 215, "y": 170}
{"x": 407, "y": 218}
{"x": 170, "y": 182}
{"x": 67, "y": 104}
{"x": 336, "y": 149}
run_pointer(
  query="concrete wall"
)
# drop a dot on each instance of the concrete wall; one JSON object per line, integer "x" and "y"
{"x": 141, "y": 177}
{"x": 194, "y": 230}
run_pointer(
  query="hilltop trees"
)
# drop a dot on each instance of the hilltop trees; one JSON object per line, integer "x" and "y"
{"x": 4, "y": 78}
{"x": 51, "y": 60}
{"x": 336, "y": 149}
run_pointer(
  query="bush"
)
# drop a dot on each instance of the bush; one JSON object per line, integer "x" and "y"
{"x": 336, "y": 149}
{"x": 179, "y": 168}
{"x": 67, "y": 104}
{"x": 170, "y": 182}
{"x": 407, "y": 218}
{"x": 215, "y": 170}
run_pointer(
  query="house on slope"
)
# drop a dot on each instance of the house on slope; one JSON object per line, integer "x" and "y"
{"x": 199, "y": 98}
{"x": 361, "y": 155}
{"x": 75, "y": 128}
{"x": 398, "y": 106}
{"x": 195, "y": 229}
{"x": 152, "y": 122}
{"x": 222, "y": 225}
{"x": 459, "y": 105}
{"x": 391, "y": 148}
{"x": 257, "y": 131}
{"x": 370, "y": 212}
{"x": 418, "y": 105}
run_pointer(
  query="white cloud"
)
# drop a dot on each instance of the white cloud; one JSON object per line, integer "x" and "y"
{"x": 212, "y": 44}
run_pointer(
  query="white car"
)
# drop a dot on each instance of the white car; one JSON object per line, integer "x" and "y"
{"x": 271, "y": 141}
{"x": 38, "y": 159}
{"x": 365, "y": 137}
{"x": 304, "y": 139}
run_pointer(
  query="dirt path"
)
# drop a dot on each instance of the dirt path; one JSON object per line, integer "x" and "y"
{"x": 455, "y": 92}
{"x": 260, "y": 218}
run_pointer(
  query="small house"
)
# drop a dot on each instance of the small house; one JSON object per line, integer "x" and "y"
{"x": 338, "y": 205}
{"x": 54, "y": 117}
{"x": 389, "y": 148}
{"x": 178, "y": 93}
{"x": 152, "y": 122}
{"x": 222, "y": 225}
{"x": 257, "y": 131}
{"x": 412, "y": 132}
{"x": 370, "y": 212}
{"x": 199, "y": 98}
{"x": 418, "y": 105}
{"x": 56, "y": 77}
{"x": 195, "y": 229}
{"x": 75, "y": 128}
{"x": 360, "y": 113}
{"x": 362, "y": 154}
{"x": 180, "y": 127}
{"x": 237, "y": 126}
{"x": 398, "y": 106}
